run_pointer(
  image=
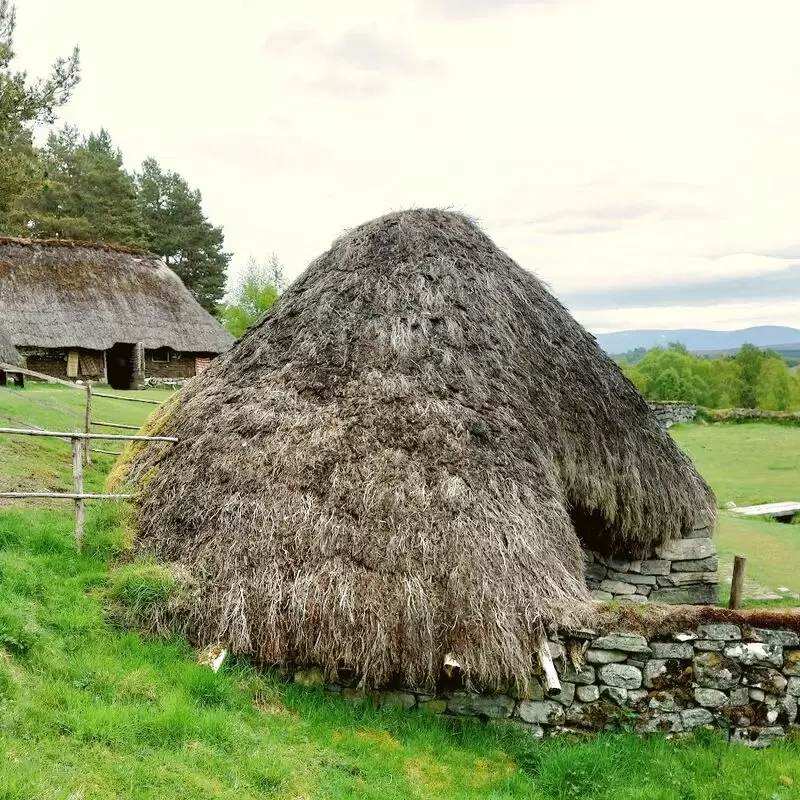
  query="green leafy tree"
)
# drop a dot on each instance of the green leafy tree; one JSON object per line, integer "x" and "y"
{"x": 774, "y": 390}
{"x": 87, "y": 194}
{"x": 24, "y": 104}
{"x": 256, "y": 291}
{"x": 179, "y": 232}
{"x": 750, "y": 360}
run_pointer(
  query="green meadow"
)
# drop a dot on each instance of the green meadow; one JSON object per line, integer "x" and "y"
{"x": 90, "y": 709}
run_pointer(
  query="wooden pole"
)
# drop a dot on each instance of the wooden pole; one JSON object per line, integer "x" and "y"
{"x": 77, "y": 479}
{"x": 119, "y": 425}
{"x": 79, "y": 435}
{"x": 737, "y": 584}
{"x": 62, "y": 496}
{"x": 551, "y": 681}
{"x": 87, "y": 424}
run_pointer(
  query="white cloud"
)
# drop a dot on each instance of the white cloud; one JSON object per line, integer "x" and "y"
{"x": 601, "y": 142}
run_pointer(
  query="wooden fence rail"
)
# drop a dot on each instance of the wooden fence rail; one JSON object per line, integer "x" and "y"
{"x": 78, "y": 496}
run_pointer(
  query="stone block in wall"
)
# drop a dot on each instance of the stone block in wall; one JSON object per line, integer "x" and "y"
{"x": 588, "y": 694}
{"x": 541, "y": 712}
{"x": 655, "y": 567}
{"x": 617, "y": 587}
{"x": 723, "y": 631}
{"x": 660, "y": 723}
{"x": 686, "y": 549}
{"x": 696, "y": 717}
{"x": 627, "y": 642}
{"x": 586, "y": 675}
{"x": 755, "y": 653}
{"x": 793, "y": 687}
{"x": 767, "y": 679}
{"x": 710, "y": 564}
{"x": 600, "y": 596}
{"x": 711, "y": 698}
{"x": 686, "y": 578}
{"x": 634, "y": 578}
{"x": 678, "y": 650}
{"x": 478, "y": 705}
{"x": 791, "y": 665}
{"x": 617, "y": 694}
{"x": 786, "y": 638}
{"x": 714, "y": 671}
{"x": 596, "y": 572}
{"x": 605, "y": 656}
{"x": 404, "y": 700}
{"x": 757, "y": 737}
{"x": 622, "y": 676}
{"x": 696, "y": 594}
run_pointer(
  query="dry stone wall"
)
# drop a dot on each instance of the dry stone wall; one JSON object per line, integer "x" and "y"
{"x": 673, "y": 413}
{"x": 727, "y": 676}
{"x": 682, "y": 571}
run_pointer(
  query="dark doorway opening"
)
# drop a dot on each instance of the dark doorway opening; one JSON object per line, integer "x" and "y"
{"x": 119, "y": 366}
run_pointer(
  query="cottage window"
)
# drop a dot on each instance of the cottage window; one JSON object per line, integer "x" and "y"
{"x": 161, "y": 356}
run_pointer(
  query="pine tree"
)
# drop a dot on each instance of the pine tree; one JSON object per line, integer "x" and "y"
{"x": 180, "y": 233}
{"x": 23, "y": 105}
{"x": 86, "y": 194}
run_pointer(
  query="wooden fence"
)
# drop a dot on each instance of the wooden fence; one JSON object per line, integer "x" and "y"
{"x": 78, "y": 495}
{"x": 81, "y": 445}
{"x": 87, "y": 417}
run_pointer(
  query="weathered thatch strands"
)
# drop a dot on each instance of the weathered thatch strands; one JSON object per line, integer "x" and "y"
{"x": 402, "y": 461}
{"x": 8, "y": 353}
{"x": 96, "y": 311}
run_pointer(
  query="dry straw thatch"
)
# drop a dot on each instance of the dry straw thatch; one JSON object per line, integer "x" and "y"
{"x": 57, "y": 294}
{"x": 398, "y": 461}
{"x": 8, "y": 353}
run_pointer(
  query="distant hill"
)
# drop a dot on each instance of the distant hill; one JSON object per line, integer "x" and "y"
{"x": 703, "y": 341}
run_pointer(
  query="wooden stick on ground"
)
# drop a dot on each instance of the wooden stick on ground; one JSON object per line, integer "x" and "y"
{"x": 737, "y": 584}
{"x": 551, "y": 681}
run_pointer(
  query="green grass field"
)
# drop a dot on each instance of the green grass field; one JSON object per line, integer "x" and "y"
{"x": 92, "y": 710}
{"x": 750, "y": 464}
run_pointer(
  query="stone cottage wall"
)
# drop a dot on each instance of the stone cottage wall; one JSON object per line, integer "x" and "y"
{"x": 682, "y": 571}
{"x": 725, "y": 676}
{"x": 670, "y": 414}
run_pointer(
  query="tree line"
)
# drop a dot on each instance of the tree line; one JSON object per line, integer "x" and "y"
{"x": 753, "y": 378}
{"x": 76, "y": 186}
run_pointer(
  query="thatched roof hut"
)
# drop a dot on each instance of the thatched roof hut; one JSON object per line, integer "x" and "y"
{"x": 402, "y": 460}
{"x": 63, "y": 294}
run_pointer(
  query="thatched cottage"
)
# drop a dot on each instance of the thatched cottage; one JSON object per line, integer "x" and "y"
{"x": 95, "y": 311}
{"x": 404, "y": 461}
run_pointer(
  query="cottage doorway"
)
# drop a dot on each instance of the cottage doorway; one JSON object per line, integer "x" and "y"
{"x": 119, "y": 365}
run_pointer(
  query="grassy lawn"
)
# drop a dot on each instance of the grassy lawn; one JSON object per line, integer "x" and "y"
{"x": 91, "y": 710}
{"x": 749, "y": 464}
{"x": 40, "y": 464}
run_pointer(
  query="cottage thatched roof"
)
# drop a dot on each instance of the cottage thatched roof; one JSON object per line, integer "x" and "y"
{"x": 401, "y": 459}
{"x": 73, "y": 294}
{"x": 8, "y": 353}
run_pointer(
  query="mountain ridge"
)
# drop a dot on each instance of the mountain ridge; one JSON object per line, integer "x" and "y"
{"x": 700, "y": 339}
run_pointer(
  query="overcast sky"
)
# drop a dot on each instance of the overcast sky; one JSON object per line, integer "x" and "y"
{"x": 641, "y": 156}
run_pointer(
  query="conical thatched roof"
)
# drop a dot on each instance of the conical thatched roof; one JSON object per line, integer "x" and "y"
{"x": 8, "y": 353}
{"x": 59, "y": 293}
{"x": 398, "y": 460}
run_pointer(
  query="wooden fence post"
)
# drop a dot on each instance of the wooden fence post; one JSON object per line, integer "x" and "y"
{"x": 87, "y": 450}
{"x": 737, "y": 584}
{"x": 77, "y": 478}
